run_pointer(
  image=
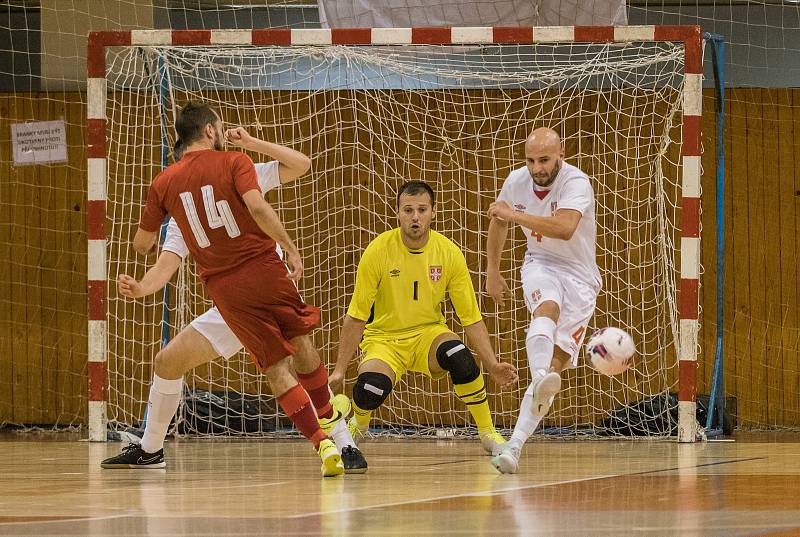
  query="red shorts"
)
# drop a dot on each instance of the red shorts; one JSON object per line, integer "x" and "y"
{"x": 262, "y": 307}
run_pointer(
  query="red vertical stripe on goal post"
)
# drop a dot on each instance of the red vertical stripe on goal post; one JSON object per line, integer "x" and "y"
{"x": 687, "y": 374}
{"x": 96, "y": 219}
{"x": 97, "y": 300}
{"x": 98, "y": 379}
{"x": 691, "y": 136}
{"x": 690, "y": 217}
{"x": 688, "y": 304}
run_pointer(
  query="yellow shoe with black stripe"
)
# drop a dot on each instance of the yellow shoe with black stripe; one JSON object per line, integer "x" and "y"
{"x": 355, "y": 431}
{"x": 492, "y": 442}
{"x": 341, "y": 408}
{"x": 331, "y": 459}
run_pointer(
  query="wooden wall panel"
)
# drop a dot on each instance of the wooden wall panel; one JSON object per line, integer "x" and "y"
{"x": 7, "y": 221}
{"x": 772, "y": 378}
{"x": 708, "y": 295}
{"x": 789, "y": 133}
{"x": 73, "y": 264}
{"x": 755, "y": 188}
{"x": 740, "y": 242}
{"x": 27, "y": 305}
{"x": 43, "y": 275}
{"x": 792, "y": 384}
{"x": 761, "y": 333}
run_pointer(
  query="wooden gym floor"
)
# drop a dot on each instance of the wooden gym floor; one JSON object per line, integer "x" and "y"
{"x": 413, "y": 488}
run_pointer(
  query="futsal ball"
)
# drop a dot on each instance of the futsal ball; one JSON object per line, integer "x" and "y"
{"x": 610, "y": 351}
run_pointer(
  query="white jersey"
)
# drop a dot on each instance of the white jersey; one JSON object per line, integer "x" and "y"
{"x": 268, "y": 178}
{"x": 570, "y": 190}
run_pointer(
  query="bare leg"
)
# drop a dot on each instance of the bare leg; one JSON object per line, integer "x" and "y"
{"x": 188, "y": 350}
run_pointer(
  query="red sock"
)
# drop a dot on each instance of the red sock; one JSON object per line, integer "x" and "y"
{"x": 297, "y": 406}
{"x": 316, "y": 384}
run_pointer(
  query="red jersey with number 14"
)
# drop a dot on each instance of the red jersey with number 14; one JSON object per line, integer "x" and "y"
{"x": 203, "y": 193}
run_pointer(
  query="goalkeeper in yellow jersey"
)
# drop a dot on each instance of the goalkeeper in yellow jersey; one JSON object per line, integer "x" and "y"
{"x": 401, "y": 283}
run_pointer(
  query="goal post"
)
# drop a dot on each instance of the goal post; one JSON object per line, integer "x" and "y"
{"x": 373, "y": 107}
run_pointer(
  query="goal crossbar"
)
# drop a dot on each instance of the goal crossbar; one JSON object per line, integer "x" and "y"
{"x": 689, "y": 202}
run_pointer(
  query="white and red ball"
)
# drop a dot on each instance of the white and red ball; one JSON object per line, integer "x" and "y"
{"x": 610, "y": 351}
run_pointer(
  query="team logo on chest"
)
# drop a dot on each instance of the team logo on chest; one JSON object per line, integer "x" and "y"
{"x": 435, "y": 272}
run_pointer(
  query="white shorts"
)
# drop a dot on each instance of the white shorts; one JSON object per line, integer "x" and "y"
{"x": 576, "y": 301}
{"x": 212, "y": 326}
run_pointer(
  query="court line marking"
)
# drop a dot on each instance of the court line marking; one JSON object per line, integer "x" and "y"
{"x": 448, "y": 497}
{"x": 717, "y": 463}
{"x": 512, "y": 489}
{"x": 161, "y": 488}
{"x": 446, "y": 462}
{"x": 67, "y": 519}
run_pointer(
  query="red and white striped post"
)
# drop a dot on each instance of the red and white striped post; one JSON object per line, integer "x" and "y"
{"x": 690, "y": 202}
{"x": 689, "y": 292}
{"x": 96, "y": 225}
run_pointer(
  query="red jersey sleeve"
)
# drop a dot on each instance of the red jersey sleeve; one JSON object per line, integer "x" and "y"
{"x": 244, "y": 174}
{"x": 154, "y": 212}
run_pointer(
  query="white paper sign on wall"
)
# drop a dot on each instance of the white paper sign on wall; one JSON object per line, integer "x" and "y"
{"x": 39, "y": 142}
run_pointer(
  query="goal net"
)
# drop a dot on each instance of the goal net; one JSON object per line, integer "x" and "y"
{"x": 371, "y": 117}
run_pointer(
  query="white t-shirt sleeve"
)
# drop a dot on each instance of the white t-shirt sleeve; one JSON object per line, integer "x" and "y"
{"x": 268, "y": 178}
{"x": 173, "y": 242}
{"x": 576, "y": 194}
{"x": 268, "y": 175}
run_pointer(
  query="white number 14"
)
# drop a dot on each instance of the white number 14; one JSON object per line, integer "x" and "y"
{"x": 218, "y": 214}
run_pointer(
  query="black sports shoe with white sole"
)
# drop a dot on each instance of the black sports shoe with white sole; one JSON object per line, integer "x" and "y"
{"x": 354, "y": 461}
{"x": 133, "y": 456}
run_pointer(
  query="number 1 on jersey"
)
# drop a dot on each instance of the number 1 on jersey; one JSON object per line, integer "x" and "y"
{"x": 416, "y": 290}
{"x": 537, "y": 236}
{"x": 218, "y": 214}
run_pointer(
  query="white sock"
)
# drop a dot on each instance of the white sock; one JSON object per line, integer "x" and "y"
{"x": 165, "y": 395}
{"x": 341, "y": 436}
{"x": 526, "y": 421}
{"x": 539, "y": 342}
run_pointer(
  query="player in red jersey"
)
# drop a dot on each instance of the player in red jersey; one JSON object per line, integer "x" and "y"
{"x": 231, "y": 232}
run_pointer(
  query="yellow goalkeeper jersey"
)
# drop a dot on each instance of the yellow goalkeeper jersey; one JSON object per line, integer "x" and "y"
{"x": 399, "y": 290}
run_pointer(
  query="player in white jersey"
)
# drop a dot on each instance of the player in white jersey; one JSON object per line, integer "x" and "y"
{"x": 208, "y": 337}
{"x": 553, "y": 203}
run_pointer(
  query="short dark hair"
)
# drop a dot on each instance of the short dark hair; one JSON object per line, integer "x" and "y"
{"x": 414, "y": 188}
{"x": 177, "y": 150}
{"x": 192, "y": 119}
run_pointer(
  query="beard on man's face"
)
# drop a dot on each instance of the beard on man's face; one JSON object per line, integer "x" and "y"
{"x": 550, "y": 178}
{"x": 219, "y": 141}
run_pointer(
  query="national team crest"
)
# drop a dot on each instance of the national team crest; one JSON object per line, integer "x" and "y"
{"x": 536, "y": 296}
{"x": 435, "y": 272}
